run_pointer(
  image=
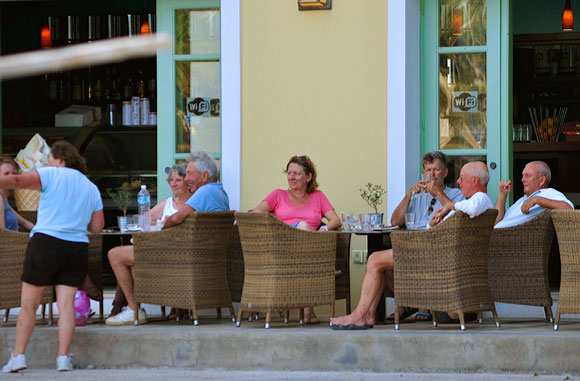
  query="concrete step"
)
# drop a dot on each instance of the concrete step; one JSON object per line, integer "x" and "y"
{"x": 520, "y": 346}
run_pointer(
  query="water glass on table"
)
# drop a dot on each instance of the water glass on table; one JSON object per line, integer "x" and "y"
{"x": 410, "y": 221}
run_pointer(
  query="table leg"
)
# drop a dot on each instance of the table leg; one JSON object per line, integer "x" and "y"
{"x": 376, "y": 242}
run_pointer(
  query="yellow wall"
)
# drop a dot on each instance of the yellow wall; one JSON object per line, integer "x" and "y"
{"x": 315, "y": 83}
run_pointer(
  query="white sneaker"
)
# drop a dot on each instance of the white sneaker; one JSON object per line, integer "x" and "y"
{"x": 126, "y": 317}
{"x": 15, "y": 364}
{"x": 63, "y": 364}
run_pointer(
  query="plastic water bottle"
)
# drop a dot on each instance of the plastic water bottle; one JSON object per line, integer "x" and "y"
{"x": 143, "y": 200}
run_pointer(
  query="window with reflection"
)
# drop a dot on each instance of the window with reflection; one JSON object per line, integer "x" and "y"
{"x": 462, "y": 22}
{"x": 197, "y": 75}
{"x": 462, "y": 101}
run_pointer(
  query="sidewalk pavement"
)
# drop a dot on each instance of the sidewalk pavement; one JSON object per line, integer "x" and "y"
{"x": 214, "y": 374}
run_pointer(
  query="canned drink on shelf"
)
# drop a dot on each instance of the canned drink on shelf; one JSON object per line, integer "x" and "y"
{"x": 135, "y": 119}
{"x": 144, "y": 111}
{"x": 152, "y": 118}
{"x": 127, "y": 113}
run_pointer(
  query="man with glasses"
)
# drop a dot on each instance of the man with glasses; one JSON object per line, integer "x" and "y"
{"x": 422, "y": 200}
{"x": 473, "y": 183}
{"x": 207, "y": 196}
{"x": 538, "y": 197}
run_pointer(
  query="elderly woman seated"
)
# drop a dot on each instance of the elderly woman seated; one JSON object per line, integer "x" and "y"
{"x": 301, "y": 206}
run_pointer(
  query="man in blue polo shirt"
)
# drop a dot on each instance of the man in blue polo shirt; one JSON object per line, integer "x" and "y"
{"x": 208, "y": 196}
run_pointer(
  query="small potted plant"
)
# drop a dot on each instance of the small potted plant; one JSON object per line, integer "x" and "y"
{"x": 122, "y": 199}
{"x": 372, "y": 194}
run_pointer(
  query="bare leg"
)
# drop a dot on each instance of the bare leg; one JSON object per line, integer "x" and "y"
{"x": 122, "y": 260}
{"x": 372, "y": 288}
{"x": 29, "y": 301}
{"x": 65, "y": 296}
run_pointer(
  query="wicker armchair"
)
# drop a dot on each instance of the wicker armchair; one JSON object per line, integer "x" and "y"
{"x": 567, "y": 224}
{"x": 445, "y": 268}
{"x": 185, "y": 266}
{"x": 285, "y": 268}
{"x": 12, "y": 249}
{"x": 518, "y": 263}
{"x": 342, "y": 284}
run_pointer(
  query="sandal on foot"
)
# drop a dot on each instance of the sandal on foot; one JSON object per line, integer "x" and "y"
{"x": 423, "y": 316}
{"x": 406, "y": 313}
{"x": 311, "y": 319}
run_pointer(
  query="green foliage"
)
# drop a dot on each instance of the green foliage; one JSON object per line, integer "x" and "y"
{"x": 371, "y": 194}
{"x": 121, "y": 198}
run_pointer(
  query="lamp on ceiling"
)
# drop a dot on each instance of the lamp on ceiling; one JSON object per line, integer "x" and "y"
{"x": 457, "y": 22}
{"x": 567, "y": 18}
{"x": 311, "y": 5}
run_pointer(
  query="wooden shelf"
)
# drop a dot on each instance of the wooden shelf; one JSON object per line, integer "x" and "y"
{"x": 546, "y": 147}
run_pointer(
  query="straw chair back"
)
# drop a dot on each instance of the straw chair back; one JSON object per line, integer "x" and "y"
{"x": 567, "y": 224}
{"x": 444, "y": 268}
{"x": 185, "y": 266}
{"x": 518, "y": 263}
{"x": 285, "y": 268}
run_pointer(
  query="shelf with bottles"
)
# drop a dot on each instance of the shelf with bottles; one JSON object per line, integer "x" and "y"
{"x": 104, "y": 86}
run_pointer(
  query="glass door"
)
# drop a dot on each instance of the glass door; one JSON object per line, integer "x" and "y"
{"x": 461, "y": 92}
{"x": 189, "y": 115}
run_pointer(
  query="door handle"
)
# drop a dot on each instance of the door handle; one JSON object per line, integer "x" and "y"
{"x": 492, "y": 165}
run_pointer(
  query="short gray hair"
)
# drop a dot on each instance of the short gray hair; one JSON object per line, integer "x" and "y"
{"x": 203, "y": 162}
{"x": 176, "y": 168}
{"x": 542, "y": 169}
{"x": 481, "y": 172}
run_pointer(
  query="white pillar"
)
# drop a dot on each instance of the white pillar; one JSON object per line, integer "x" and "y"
{"x": 403, "y": 99}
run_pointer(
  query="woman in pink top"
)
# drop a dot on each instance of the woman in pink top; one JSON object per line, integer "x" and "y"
{"x": 302, "y": 206}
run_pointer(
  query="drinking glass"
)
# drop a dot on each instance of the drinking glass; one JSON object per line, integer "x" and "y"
{"x": 365, "y": 222}
{"x": 410, "y": 221}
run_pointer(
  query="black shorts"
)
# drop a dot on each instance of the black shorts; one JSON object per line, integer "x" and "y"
{"x": 51, "y": 261}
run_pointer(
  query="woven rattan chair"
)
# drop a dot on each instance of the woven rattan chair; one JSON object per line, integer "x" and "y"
{"x": 95, "y": 270}
{"x": 445, "y": 268}
{"x": 518, "y": 263}
{"x": 342, "y": 285}
{"x": 567, "y": 224}
{"x": 284, "y": 268}
{"x": 185, "y": 266}
{"x": 12, "y": 249}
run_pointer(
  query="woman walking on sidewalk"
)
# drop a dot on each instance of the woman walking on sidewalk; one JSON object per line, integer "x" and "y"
{"x": 57, "y": 253}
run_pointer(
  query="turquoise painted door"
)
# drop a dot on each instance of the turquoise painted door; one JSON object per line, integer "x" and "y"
{"x": 466, "y": 102}
{"x": 189, "y": 88}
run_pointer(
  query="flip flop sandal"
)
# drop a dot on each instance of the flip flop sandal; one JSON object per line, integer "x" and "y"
{"x": 424, "y": 316}
{"x": 350, "y": 327}
{"x": 406, "y": 313}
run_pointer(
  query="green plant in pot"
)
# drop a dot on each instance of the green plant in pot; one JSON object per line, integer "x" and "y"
{"x": 372, "y": 194}
{"x": 121, "y": 198}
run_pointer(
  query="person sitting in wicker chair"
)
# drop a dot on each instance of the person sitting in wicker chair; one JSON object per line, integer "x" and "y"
{"x": 473, "y": 181}
{"x": 162, "y": 211}
{"x": 207, "y": 195}
{"x": 9, "y": 219}
{"x": 424, "y": 204}
{"x": 301, "y": 206}
{"x": 538, "y": 197}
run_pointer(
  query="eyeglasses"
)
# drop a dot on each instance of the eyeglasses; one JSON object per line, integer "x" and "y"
{"x": 433, "y": 201}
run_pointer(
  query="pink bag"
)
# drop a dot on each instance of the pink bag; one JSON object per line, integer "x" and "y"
{"x": 82, "y": 306}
